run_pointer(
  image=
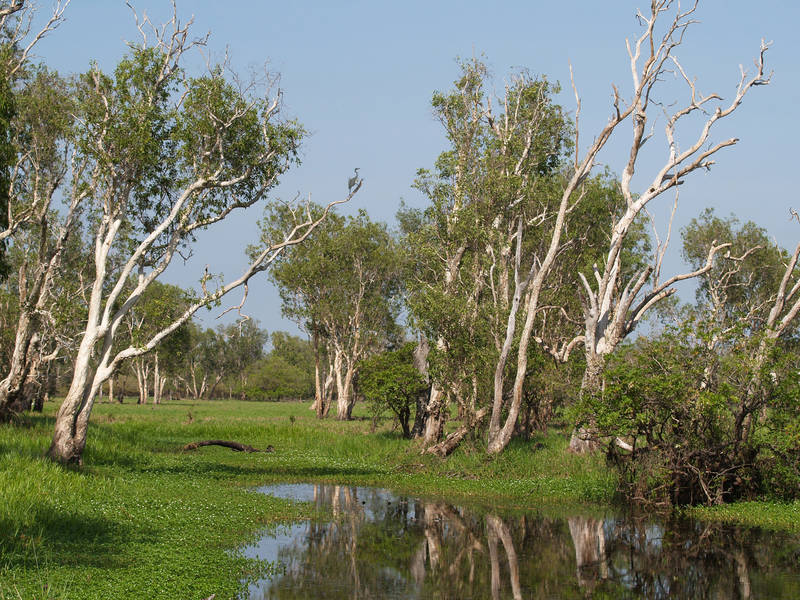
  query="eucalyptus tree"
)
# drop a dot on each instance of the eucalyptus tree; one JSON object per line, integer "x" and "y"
{"x": 41, "y": 236}
{"x": 34, "y": 151}
{"x": 487, "y": 246}
{"x": 202, "y": 366}
{"x": 167, "y": 155}
{"x": 615, "y": 302}
{"x": 742, "y": 284}
{"x": 342, "y": 287}
{"x": 488, "y": 192}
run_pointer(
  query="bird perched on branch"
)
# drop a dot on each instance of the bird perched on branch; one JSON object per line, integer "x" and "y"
{"x": 351, "y": 183}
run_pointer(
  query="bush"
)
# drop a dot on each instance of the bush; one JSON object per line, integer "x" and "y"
{"x": 703, "y": 427}
{"x": 390, "y": 381}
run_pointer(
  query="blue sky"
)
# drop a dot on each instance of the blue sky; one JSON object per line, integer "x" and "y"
{"x": 359, "y": 76}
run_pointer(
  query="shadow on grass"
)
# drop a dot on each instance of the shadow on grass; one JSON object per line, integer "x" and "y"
{"x": 76, "y": 539}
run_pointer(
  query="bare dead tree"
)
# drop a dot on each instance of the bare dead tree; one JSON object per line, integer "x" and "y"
{"x": 612, "y": 306}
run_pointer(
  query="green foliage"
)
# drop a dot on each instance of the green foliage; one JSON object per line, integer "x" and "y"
{"x": 740, "y": 284}
{"x": 390, "y": 380}
{"x": 698, "y": 434}
{"x": 348, "y": 265}
{"x": 286, "y": 372}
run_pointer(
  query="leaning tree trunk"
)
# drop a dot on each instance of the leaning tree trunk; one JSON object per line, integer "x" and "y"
{"x": 12, "y": 397}
{"x": 72, "y": 419}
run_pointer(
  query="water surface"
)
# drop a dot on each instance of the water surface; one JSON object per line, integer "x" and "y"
{"x": 371, "y": 543}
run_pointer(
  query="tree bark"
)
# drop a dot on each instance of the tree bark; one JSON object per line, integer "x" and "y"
{"x": 12, "y": 399}
{"x": 72, "y": 418}
{"x": 584, "y": 438}
{"x": 157, "y": 385}
{"x": 345, "y": 399}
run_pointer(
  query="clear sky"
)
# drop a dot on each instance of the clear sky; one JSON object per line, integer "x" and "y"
{"x": 359, "y": 76}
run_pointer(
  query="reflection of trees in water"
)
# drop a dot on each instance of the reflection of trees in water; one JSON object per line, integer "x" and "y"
{"x": 417, "y": 549}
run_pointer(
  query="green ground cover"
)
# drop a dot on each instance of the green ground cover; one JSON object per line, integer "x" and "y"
{"x": 143, "y": 515}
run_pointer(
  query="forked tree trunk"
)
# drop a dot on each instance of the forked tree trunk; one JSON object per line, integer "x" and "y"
{"x": 142, "y": 372}
{"x": 498, "y": 530}
{"x": 345, "y": 398}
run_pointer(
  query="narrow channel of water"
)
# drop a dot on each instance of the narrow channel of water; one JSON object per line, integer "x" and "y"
{"x": 376, "y": 544}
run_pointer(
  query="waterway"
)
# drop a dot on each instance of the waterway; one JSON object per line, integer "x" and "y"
{"x": 371, "y": 543}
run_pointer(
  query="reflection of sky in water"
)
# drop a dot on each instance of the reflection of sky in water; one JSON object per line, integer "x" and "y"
{"x": 372, "y": 543}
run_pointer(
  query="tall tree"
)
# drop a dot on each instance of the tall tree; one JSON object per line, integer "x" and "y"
{"x": 168, "y": 156}
{"x": 493, "y": 201}
{"x": 34, "y": 120}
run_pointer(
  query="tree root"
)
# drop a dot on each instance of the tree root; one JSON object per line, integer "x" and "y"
{"x": 232, "y": 445}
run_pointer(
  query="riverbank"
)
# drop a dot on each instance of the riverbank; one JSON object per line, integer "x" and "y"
{"x": 144, "y": 516}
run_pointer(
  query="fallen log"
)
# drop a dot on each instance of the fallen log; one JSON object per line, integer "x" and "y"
{"x": 227, "y": 444}
{"x": 451, "y": 442}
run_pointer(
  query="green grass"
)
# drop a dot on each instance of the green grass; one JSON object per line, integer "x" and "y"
{"x": 144, "y": 519}
{"x": 783, "y": 516}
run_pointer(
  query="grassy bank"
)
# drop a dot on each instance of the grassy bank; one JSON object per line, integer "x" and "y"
{"x": 144, "y": 516}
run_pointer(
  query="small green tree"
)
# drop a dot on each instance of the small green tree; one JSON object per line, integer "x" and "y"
{"x": 685, "y": 442}
{"x": 244, "y": 346}
{"x": 390, "y": 380}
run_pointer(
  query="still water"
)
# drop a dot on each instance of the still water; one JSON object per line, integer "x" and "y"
{"x": 371, "y": 543}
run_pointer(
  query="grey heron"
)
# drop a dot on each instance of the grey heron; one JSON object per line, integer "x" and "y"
{"x": 351, "y": 183}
